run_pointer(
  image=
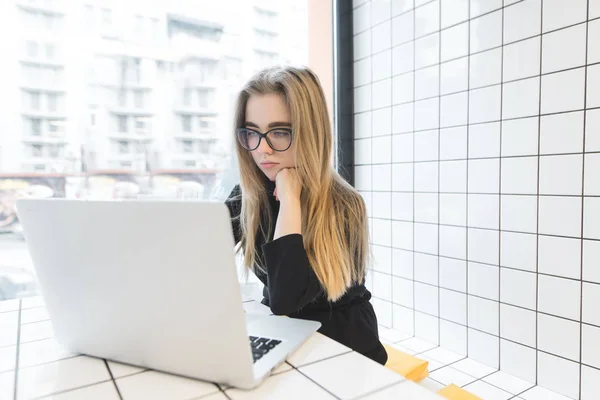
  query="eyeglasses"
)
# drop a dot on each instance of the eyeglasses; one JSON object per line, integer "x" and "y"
{"x": 279, "y": 139}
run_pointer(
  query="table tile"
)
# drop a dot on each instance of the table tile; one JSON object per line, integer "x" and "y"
{"x": 290, "y": 385}
{"x": 101, "y": 391}
{"x": 152, "y": 385}
{"x": 283, "y": 367}
{"x": 317, "y": 347}
{"x": 7, "y": 384}
{"x": 350, "y": 375}
{"x": 431, "y": 384}
{"x": 473, "y": 368}
{"x": 42, "y": 351}
{"x": 36, "y": 331}
{"x": 449, "y": 375}
{"x": 34, "y": 315}
{"x": 508, "y": 382}
{"x": 404, "y": 390}
{"x": 393, "y": 335}
{"x": 9, "y": 305}
{"x": 32, "y": 302}
{"x": 9, "y": 323}
{"x": 8, "y": 358}
{"x": 59, "y": 376}
{"x": 120, "y": 370}
{"x": 540, "y": 393}
{"x": 487, "y": 391}
{"x": 216, "y": 396}
{"x": 442, "y": 355}
{"x": 417, "y": 345}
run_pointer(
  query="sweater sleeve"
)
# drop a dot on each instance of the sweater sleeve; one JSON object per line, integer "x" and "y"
{"x": 234, "y": 204}
{"x": 291, "y": 281}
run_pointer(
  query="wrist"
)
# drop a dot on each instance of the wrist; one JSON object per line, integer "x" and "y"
{"x": 290, "y": 202}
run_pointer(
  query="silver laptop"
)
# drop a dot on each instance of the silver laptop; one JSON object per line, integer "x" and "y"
{"x": 153, "y": 284}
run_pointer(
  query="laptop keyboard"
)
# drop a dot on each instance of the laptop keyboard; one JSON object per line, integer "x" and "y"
{"x": 261, "y": 346}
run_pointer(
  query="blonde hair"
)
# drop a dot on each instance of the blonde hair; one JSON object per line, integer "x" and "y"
{"x": 334, "y": 221}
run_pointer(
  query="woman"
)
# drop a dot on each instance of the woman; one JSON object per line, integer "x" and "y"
{"x": 302, "y": 229}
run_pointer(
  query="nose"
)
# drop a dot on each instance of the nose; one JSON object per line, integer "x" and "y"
{"x": 264, "y": 147}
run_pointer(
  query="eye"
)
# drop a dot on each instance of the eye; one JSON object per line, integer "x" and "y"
{"x": 281, "y": 133}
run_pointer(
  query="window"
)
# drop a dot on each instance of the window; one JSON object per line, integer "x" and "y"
{"x": 55, "y": 127}
{"x": 187, "y": 97}
{"x": 36, "y": 127}
{"x": 54, "y": 151}
{"x": 122, "y": 123}
{"x": 123, "y": 147}
{"x": 34, "y": 100}
{"x": 186, "y": 123}
{"x": 204, "y": 146}
{"x": 32, "y": 49}
{"x": 50, "y": 50}
{"x": 149, "y": 73}
{"x": 206, "y": 123}
{"x": 139, "y": 25}
{"x": 106, "y": 17}
{"x": 36, "y": 150}
{"x": 122, "y": 98}
{"x": 141, "y": 125}
{"x": 138, "y": 98}
{"x": 90, "y": 16}
{"x": 155, "y": 27}
{"x": 52, "y": 102}
{"x": 204, "y": 98}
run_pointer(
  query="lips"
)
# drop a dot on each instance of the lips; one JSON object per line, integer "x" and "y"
{"x": 268, "y": 164}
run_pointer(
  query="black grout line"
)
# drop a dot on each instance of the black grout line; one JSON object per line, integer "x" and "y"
{"x": 112, "y": 378}
{"x": 439, "y": 151}
{"x": 582, "y": 201}
{"x": 504, "y": 44}
{"x": 362, "y": 396}
{"x": 17, "y": 353}
{"x": 475, "y": 123}
{"x": 391, "y": 175}
{"x": 454, "y": 160}
{"x": 321, "y": 359}
{"x": 488, "y": 265}
{"x": 475, "y": 228}
{"x": 502, "y": 81}
{"x": 46, "y": 396}
{"x": 502, "y": 84}
{"x": 537, "y": 231}
{"x": 468, "y": 132}
{"x": 414, "y": 43}
{"x": 487, "y": 299}
{"x": 313, "y": 381}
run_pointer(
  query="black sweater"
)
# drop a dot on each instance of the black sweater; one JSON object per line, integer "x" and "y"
{"x": 292, "y": 288}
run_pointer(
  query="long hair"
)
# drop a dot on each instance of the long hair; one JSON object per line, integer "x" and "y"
{"x": 334, "y": 221}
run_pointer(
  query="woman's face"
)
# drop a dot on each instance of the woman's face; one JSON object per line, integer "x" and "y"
{"x": 263, "y": 113}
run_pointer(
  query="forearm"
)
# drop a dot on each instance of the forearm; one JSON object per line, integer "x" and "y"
{"x": 289, "y": 220}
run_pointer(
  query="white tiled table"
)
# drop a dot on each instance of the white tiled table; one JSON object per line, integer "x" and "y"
{"x": 33, "y": 365}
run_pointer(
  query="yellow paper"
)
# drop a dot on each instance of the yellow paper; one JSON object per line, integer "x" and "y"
{"x": 453, "y": 392}
{"x": 410, "y": 367}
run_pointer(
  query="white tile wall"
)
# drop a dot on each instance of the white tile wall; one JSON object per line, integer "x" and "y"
{"x": 479, "y": 155}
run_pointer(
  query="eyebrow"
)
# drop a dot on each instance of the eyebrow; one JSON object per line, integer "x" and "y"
{"x": 271, "y": 125}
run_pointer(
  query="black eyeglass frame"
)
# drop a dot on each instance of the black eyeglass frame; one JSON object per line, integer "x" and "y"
{"x": 264, "y": 135}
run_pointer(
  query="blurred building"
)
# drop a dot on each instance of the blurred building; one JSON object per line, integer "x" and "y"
{"x": 133, "y": 85}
